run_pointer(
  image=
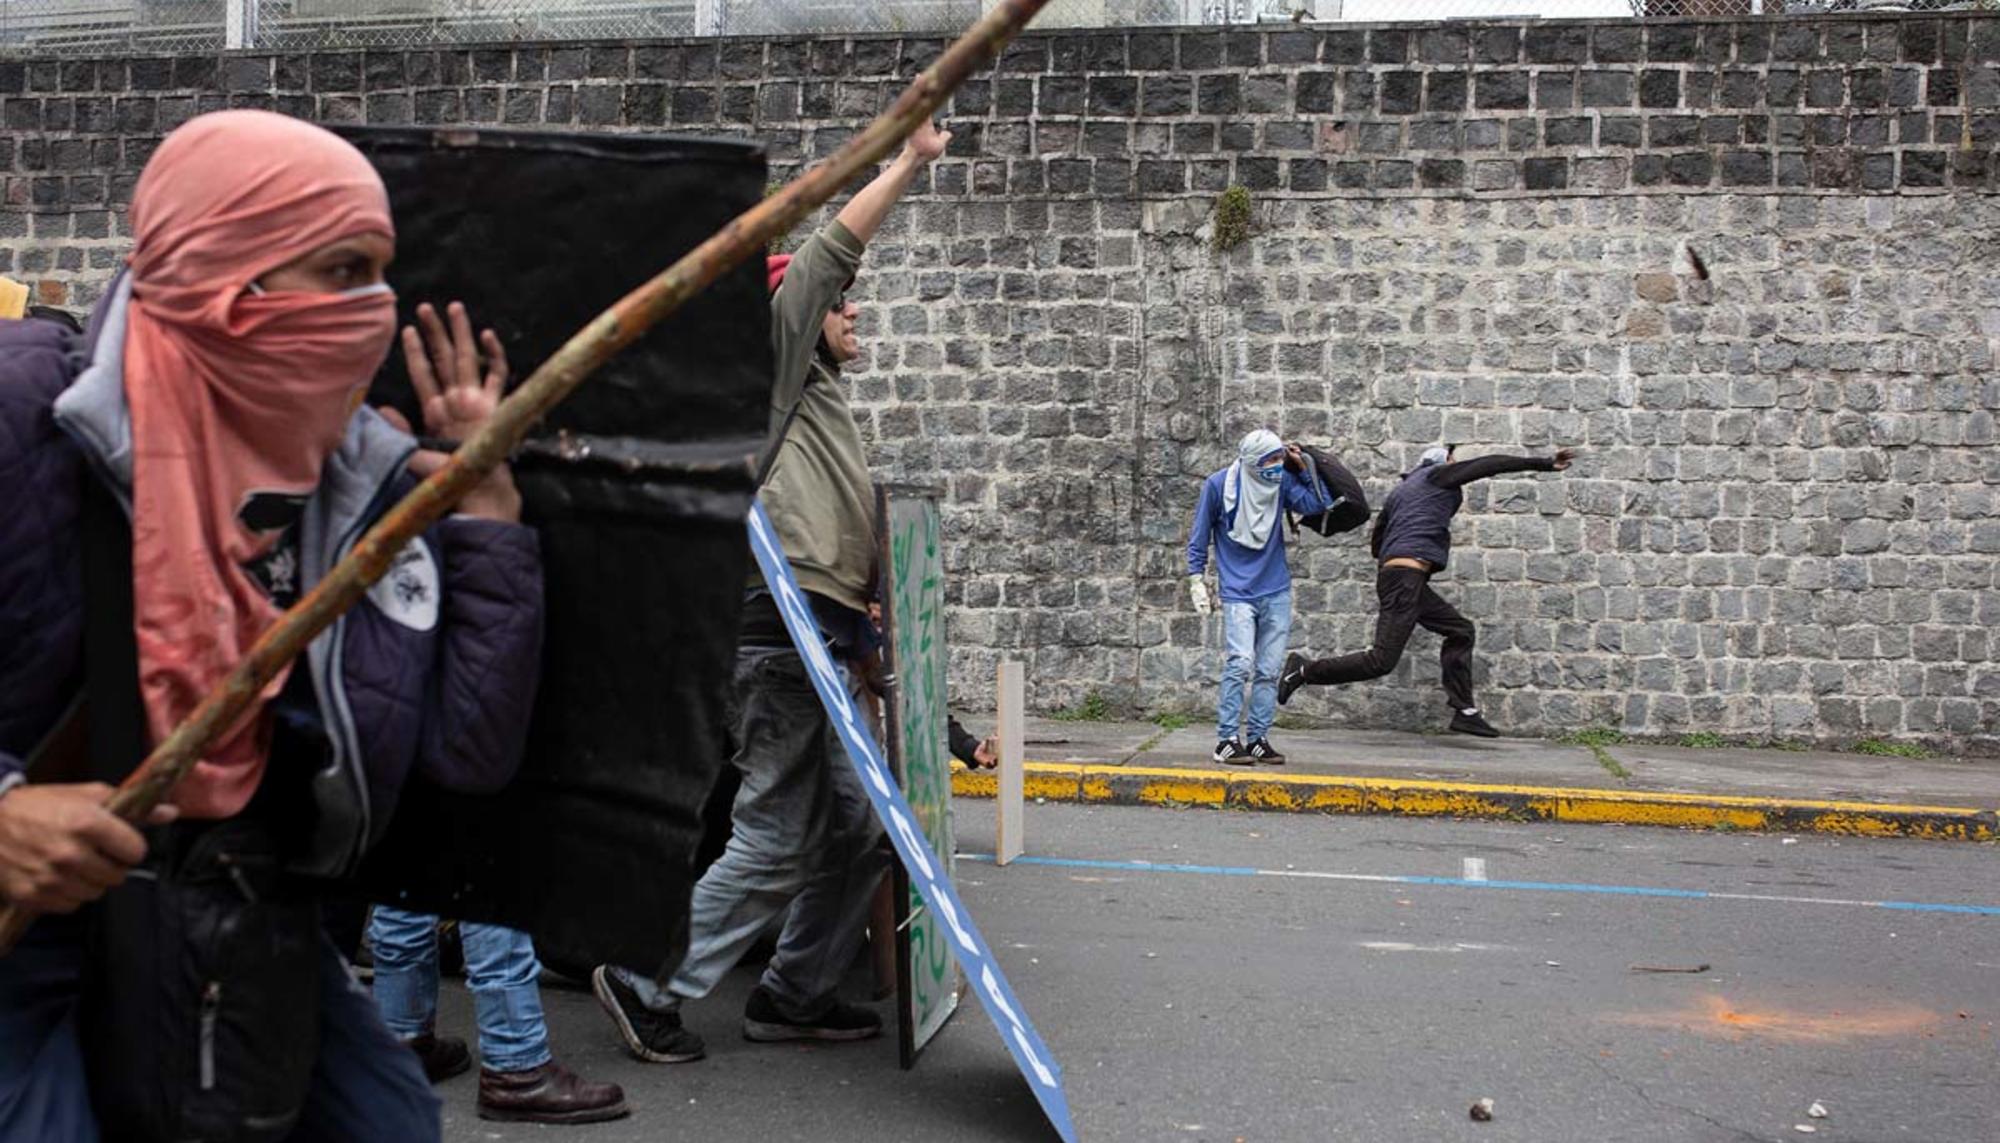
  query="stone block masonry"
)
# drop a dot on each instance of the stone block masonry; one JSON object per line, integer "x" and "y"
{"x": 1752, "y": 266}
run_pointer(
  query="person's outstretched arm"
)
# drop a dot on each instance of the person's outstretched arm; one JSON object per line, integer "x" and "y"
{"x": 863, "y": 214}
{"x": 1464, "y": 472}
{"x": 825, "y": 263}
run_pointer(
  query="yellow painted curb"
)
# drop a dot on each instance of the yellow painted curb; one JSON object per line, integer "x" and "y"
{"x": 1324, "y": 793}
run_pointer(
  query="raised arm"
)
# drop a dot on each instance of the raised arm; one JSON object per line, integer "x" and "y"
{"x": 1305, "y": 494}
{"x": 824, "y": 265}
{"x": 864, "y": 213}
{"x": 1464, "y": 472}
{"x": 819, "y": 272}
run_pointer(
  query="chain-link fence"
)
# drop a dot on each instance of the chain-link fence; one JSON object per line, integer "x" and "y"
{"x": 200, "y": 25}
{"x": 1801, "y": 7}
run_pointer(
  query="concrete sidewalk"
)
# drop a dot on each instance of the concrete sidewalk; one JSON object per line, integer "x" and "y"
{"x": 1373, "y": 771}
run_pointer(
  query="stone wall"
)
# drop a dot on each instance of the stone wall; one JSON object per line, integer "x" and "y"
{"x": 1752, "y": 266}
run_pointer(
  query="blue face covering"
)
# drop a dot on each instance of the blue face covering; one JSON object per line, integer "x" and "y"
{"x": 1271, "y": 475}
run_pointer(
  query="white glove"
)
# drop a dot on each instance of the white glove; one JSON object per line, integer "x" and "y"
{"x": 1198, "y": 595}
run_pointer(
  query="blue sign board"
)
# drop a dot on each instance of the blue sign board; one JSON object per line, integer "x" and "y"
{"x": 926, "y": 872}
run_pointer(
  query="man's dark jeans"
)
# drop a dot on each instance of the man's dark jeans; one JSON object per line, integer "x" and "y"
{"x": 1406, "y": 602}
{"x": 804, "y": 845}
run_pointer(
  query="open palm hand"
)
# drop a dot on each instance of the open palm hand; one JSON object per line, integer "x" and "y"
{"x": 459, "y": 392}
{"x": 458, "y": 396}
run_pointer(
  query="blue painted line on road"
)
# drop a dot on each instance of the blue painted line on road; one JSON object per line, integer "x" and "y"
{"x": 1463, "y": 883}
{"x": 1136, "y": 866}
{"x": 1929, "y": 907}
{"x": 1537, "y": 886}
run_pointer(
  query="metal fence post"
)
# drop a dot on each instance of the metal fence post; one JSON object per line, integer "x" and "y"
{"x": 239, "y": 29}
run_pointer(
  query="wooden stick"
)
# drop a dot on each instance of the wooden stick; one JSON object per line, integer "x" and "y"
{"x": 614, "y": 329}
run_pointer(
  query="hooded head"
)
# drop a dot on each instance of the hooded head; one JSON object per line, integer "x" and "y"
{"x": 1252, "y": 488}
{"x": 1262, "y": 454}
{"x": 1436, "y": 454}
{"x": 258, "y": 317}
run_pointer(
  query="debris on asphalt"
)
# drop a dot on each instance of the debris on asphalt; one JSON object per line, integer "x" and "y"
{"x": 1817, "y": 1111}
{"x": 1687, "y": 970}
{"x": 1805, "y": 1129}
{"x": 1482, "y": 1112}
{"x": 1553, "y": 963}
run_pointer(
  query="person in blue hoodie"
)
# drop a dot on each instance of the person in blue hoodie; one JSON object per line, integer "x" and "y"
{"x": 1241, "y": 513}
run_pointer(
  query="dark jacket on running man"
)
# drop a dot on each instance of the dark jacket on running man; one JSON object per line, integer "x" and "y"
{"x": 1415, "y": 520}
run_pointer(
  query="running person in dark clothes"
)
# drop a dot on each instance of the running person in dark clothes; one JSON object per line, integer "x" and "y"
{"x": 1412, "y": 539}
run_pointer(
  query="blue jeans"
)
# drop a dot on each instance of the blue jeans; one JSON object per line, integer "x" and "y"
{"x": 804, "y": 846}
{"x": 500, "y": 968}
{"x": 1254, "y": 635}
{"x": 364, "y": 1084}
{"x": 42, "y": 1092}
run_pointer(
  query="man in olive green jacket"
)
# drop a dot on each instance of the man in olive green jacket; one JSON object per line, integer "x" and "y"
{"x": 803, "y": 841}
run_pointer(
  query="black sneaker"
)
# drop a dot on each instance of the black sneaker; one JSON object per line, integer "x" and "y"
{"x": 1262, "y": 751}
{"x": 1473, "y": 723}
{"x": 764, "y": 1023}
{"x": 1291, "y": 678}
{"x": 1231, "y": 751}
{"x": 653, "y": 1036}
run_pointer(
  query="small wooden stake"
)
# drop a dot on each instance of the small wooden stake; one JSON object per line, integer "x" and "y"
{"x": 1013, "y": 734}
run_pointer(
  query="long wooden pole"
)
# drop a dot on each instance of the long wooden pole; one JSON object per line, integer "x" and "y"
{"x": 614, "y": 329}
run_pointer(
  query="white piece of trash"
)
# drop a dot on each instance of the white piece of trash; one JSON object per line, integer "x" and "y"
{"x": 1817, "y": 1110}
{"x": 1805, "y": 1129}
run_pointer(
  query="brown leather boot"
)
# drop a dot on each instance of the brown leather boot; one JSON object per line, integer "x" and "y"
{"x": 548, "y": 1094}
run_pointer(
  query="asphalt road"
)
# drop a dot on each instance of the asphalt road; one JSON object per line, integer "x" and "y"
{"x": 1380, "y": 975}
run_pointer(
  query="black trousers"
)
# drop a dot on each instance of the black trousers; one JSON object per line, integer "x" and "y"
{"x": 1405, "y": 602}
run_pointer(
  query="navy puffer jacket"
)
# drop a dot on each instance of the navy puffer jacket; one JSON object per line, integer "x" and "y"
{"x": 434, "y": 671}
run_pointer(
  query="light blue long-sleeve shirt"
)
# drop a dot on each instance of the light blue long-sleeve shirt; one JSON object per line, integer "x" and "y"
{"x": 1248, "y": 574}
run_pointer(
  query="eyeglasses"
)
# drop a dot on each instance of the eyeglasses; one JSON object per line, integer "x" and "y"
{"x": 839, "y": 304}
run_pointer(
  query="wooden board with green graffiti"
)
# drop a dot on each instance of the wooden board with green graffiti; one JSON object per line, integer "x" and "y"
{"x": 913, "y": 632}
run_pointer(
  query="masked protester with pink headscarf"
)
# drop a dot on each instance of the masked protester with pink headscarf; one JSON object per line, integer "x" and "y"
{"x": 176, "y": 477}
